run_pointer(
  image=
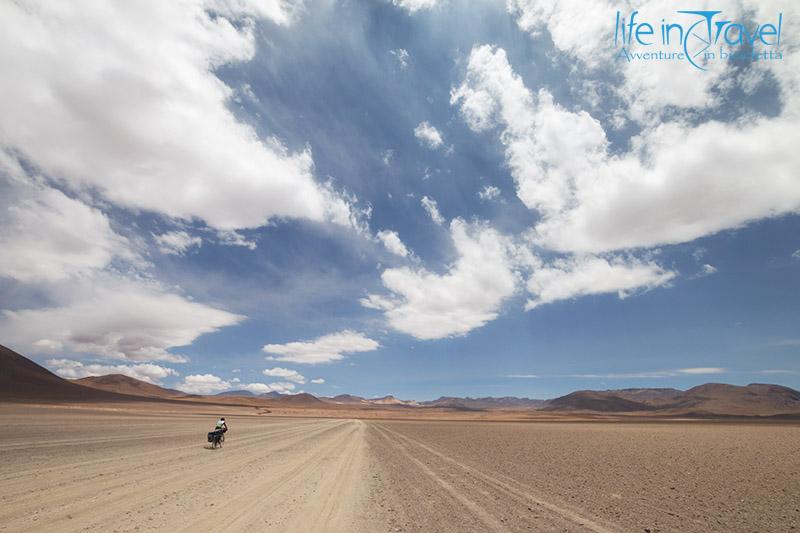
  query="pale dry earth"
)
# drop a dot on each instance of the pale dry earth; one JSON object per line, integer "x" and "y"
{"x": 144, "y": 468}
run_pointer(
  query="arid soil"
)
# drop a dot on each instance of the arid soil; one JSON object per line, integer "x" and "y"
{"x": 596, "y": 476}
{"x": 145, "y": 468}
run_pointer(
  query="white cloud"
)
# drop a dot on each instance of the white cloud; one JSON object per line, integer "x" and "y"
{"x": 318, "y": 381}
{"x": 416, "y": 5}
{"x": 332, "y": 347}
{"x": 68, "y": 368}
{"x": 469, "y": 294}
{"x": 114, "y": 317}
{"x": 282, "y": 387}
{"x": 579, "y": 29}
{"x": 234, "y": 238}
{"x": 703, "y": 370}
{"x": 211, "y": 384}
{"x": 391, "y": 240}
{"x": 657, "y": 374}
{"x": 707, "y": 270}
{"x": 48, "y": 236}
{"x": 428, "y": 135}
{"x": 522, "y": 376}
{"x": 584, "y": 275}
{"x": 285, "y": 373}
{"x": 203, "y": 384}
{"x": 489, "y": 192}
{"x": 401, "y": 54}
{"x": 676, "y": 184}
{"x": 176, "y": 242}
{"x": 796, "y": 254}
{"x": 432, "y": 208}
{"x": 144, "y": 121}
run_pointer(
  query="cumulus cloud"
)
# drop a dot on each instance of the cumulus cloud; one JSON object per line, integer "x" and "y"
{"x": 678, "y": 182}
{"x": 114, "y": 317}
{"x": 48, "y": 236}
{"x": 391, "y": 241}
{"x": 469, "y": 294}
{"x": 318, "y": 381}
{"x": 71, "y": 369}
{"x": 211, "y": 384}
{"x": 428, "y": 135}
{"x": 490, "y": 269}
{"x": 584, "y": 275}
{"x": 144, "y": 121}
{"x": 579, "y": 29}
{"x": 203, "y": 384}
{"x": 415, "y": 5}
{"x": 430, "y": 205}
{"x": 176, "y": 242}
{"x": 332, "y": 347}
{"x": 285, "y": 373}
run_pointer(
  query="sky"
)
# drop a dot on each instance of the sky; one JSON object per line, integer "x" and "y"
{"x": 408, "y": 197}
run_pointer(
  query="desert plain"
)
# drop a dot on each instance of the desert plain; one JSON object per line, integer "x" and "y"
{"x": 146, "y": 467}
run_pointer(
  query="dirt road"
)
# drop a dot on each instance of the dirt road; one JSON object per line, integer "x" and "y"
{"x": 66, "y": 470}
{"x": 155, "y": 473}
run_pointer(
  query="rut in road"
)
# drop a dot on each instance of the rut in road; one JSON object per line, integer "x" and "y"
{"x": 487, "y": 502}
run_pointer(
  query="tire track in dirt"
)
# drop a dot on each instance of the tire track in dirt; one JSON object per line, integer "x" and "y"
{"x": 509, "y": 489}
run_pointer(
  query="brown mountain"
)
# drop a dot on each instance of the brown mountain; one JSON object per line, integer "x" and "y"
{"x": 648, "y": 395}
{"x": 303, "y": 398}
{"x": 348, "y": 399}
{"x": 23, "y": 380}
{"x": 599, "y": 401}
{"x": 245, "y": 393}
{"x": 127, "y": 385}
{"x": 711, "y": 399}
{"x": 756, "y": 399}
{"x": 391, "y": 400}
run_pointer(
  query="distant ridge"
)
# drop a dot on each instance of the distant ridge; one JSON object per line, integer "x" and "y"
{"x": 710, "y": 399}
{"x": 23, "y": 380}
{"x": 478, "y": 404}
{"x": 122, "y": 384}
{"x": 599, "y": 401}
{"x": 246, "y": 393}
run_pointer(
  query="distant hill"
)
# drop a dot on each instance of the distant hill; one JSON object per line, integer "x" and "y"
{"x": 246, "y": 393}
{"x": 23, "y": 380}
{"x": 127, "y": 385}
{"x": 297, "y": 399}
{"x": 599, "y": 401}
{"x": 391, "y": 400}
{"x": 647, "y": 395}
{"x": 477, "y": 404}
{"x": 754, "y": 399}
{"x": 711, "y": 399}
{"x": 348, "y": 399}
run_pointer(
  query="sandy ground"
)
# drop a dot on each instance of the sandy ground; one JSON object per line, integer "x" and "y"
{"x": 138, "y": 470}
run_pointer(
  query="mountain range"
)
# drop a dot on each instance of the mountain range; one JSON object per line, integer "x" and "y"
{"x": 22, "y": 380}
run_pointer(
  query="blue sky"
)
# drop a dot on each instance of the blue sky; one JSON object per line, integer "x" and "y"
{"x": 417, "y": 198}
